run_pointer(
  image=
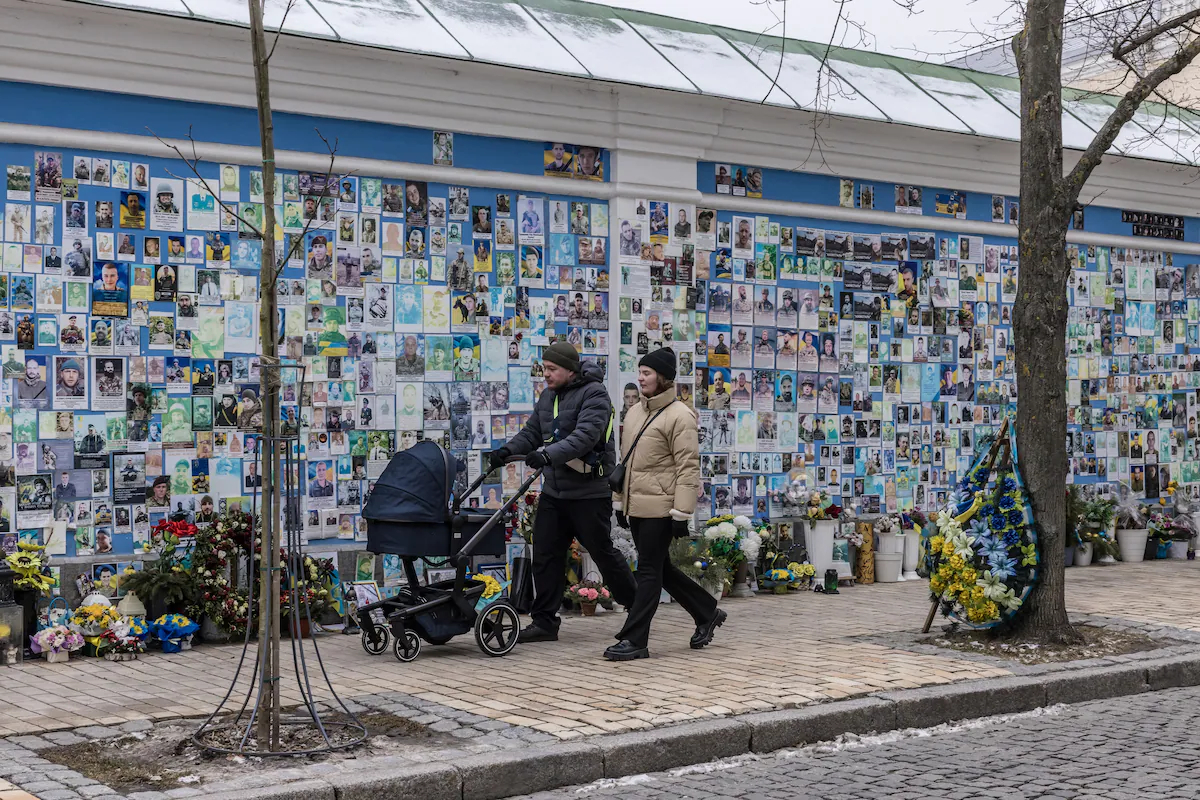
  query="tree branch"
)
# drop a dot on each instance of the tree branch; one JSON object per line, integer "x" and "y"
{"x": 782, "y": 53}
{"x": 1128, "y": 43}
{"x": 279, "y": 30}
{"x": 193, "y": 165}
{"x": 1073, "y": 183}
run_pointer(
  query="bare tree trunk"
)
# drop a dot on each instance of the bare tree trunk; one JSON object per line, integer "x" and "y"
{"x": 1040, "y": 314}
{"x": 269, "y": 616}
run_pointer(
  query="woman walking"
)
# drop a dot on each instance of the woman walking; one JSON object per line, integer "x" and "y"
{"x": 661, "y": 454}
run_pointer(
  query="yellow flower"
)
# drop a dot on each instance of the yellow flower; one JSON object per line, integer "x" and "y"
{"x": 936, "y": 543}
{"x": 957, "y": 563}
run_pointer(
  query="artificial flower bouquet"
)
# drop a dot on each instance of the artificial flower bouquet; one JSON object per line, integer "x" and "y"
{"x": 779, "y": 580}
{"x": 1166, "y": 528}
{"x": 590, "y": 594}
{"x": 983, "y": 555}
{"x": 821, "y": 507}
{"x": 493, "y": 590}
{"x": 56, "y": 643}
{"x": 124, "y": 640}
{"x": 732, "y": 539}
{"x": 887, "y": 525}
{"x": 92, "y": 620}
{"x": 31, "y": 567}
{"x": 792, "y": 500}
{"x": 804, "y": 572}
{"x": 174, "y": 632}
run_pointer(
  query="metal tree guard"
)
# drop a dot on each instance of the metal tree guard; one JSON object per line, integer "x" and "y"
{"x": 336, "y": 730}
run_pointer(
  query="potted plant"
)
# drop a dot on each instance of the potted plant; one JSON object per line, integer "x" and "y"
{"x": 56, "y": 643}
{"x": 31, "y": 579}
{"x": 694, "y": 559}
{"x": 1092, "y": 529}
{"x": 588, "y": 594}
{"x": 1131, "y": 525}
{"x": 163, "y": 584}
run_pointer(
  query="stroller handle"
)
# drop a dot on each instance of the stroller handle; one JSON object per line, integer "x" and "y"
{"x": 483, "y": 476}
{"x": 465, "y": 552}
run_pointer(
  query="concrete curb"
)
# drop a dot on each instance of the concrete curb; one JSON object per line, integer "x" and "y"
{"x": 492, "y": 776}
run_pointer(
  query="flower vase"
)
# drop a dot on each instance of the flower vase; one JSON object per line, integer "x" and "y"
{"x": 1178, "y": 551}
{"x": 211, "y": 632}
{"x": 780, "y": 588}
{"x": 304, "y": 628}
{"x": 717, "y": 593}
{"x": 741, "y": 581}
{"x": 185, "y": 643}
{"x": 887, "y": 567}
{"x": 1069, "y": 555}
{"x": 818, "y": 541}
{"x": 62, "y": 656}
{"x": 1132, "y": 542}
{"x": 1083, "y": 554}
{"x": 912, "y": 551}
{"x": 587, "y": 609}
{"x": 121, "y": 656}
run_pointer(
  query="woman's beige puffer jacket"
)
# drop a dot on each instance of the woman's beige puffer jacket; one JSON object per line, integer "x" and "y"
{"x": 664, "y": 472}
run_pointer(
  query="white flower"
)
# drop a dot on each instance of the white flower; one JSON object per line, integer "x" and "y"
{"x": 749, "y": 547}
{"x": 742, "y": 523}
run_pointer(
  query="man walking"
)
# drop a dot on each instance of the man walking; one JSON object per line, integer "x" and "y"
{"x": 569, "y": 437}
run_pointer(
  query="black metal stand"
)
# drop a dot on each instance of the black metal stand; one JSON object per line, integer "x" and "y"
{"x": 337, "y": 727}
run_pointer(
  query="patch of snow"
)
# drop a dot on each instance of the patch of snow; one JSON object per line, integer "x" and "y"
{"x": 612, "y": 783}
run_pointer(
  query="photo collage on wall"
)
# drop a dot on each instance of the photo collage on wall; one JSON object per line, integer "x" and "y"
{"x": 877, "y": 363}
{"x": 129, "y": 333}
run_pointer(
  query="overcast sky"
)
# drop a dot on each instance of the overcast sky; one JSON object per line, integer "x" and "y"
{"x": 934, "y": 29}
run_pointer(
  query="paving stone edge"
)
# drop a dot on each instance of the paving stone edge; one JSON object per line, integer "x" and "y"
{"x": 492, "y": 776}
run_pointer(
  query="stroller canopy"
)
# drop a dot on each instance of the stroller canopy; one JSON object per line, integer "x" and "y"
{"x": 415, "y": 487}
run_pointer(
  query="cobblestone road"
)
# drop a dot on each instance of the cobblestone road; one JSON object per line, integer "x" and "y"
{"x": 1142, "y": 747}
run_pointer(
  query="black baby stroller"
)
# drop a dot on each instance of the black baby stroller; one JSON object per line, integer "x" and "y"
{"x": 413, "y": 513}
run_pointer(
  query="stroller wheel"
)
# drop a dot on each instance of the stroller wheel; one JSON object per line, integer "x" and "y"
{"x": 408, "y": 646}
{"x": 496, "y": 629}
{"x": 381, "y": 646}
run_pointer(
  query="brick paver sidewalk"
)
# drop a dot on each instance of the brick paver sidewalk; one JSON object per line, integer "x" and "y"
{"x": 774, "y": 651}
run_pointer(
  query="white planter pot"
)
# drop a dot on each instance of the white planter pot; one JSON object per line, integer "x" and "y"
{"x": 818, "y": 540}
{"x": 887, "y": 567}
{"x": 1178, "y": 551}
{"x": 1083, "y": 554}
{"x": 890, "y": 543}
{"x": 1132, "y": 542}
{"x": 57, "y": 658}
{"x": 912, "y": 555}
{"x": 716, "y": 593}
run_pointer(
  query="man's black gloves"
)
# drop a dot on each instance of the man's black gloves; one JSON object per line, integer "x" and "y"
{"x": 496, "y": 458}
{"x": 679, "y": 528}
{"x": 537, "y": 460}
{"x": 622, "y": 520}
